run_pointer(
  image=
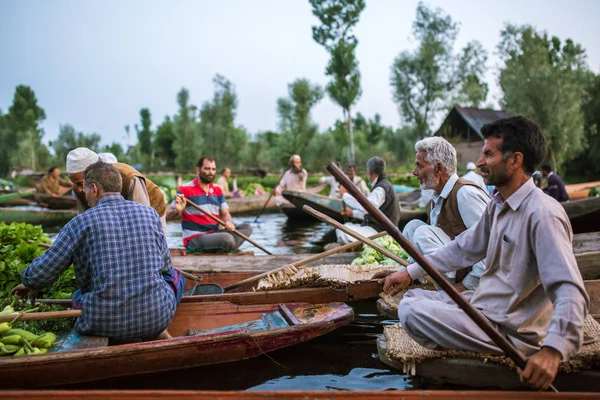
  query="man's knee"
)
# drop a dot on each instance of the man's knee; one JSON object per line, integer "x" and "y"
{"x": 411, "y": 227}
{"x": 244, "y": 228}
{"x": 228, "y": 243}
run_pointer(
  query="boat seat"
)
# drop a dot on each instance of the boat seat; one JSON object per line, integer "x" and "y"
{"x": 74, "y": 341}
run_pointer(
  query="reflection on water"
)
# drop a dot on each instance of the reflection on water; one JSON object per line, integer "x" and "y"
{"x": 275, "y": 233}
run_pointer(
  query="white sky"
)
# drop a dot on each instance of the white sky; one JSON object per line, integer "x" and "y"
{"x": 94, "y": 64}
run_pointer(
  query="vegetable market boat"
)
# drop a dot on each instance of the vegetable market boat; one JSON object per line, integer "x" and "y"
{"x": 477, "y": 370}
{"x": 9, "y": 197}
{"x": 221, "y": 332}
{"x": 333, "y": 207}
{"x": 36, "y": 217}
{"x": 579, "y": 191}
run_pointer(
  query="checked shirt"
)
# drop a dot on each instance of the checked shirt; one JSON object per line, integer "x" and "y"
{"x": 120, "y": 254}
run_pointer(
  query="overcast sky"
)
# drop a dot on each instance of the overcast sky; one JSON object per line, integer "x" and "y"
{"x": 94, "y": 64}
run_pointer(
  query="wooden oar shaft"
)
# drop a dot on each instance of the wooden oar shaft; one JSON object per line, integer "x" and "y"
{"x": 355, "y": 235}
{"x": 270, "y": 195}
{"x": 41, "y": 315}
{"x": 394, "y": 232}
{"x": 300, "y": 263}
{"x": 220, "y": 221}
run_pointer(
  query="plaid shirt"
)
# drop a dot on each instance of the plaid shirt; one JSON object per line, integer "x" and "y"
{"x": 120, "y": 254}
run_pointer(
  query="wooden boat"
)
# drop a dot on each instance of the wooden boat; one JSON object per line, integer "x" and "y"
{"x": 66, "y": 202}
{"x": 226, "y": 333}
{"x": 478, "y": 374}
{"x": 36, "y": 217}
{"x": 584, "y": 214}
{"x": 287, "y": 395}
{"x": 579, "y": 191}
{"x": 9, "y": 197}
{"x": 333, "y": 207}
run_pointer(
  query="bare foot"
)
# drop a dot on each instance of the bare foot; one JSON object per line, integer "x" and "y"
{"x": 164, "y": 335}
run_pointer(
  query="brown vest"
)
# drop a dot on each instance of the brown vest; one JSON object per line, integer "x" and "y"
{"x": 449, "y": 219}
{"x": 157, "y": 200}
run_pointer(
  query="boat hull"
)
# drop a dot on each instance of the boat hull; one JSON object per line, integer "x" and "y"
{"x": 180, "y": 352}
{"x": 34, "y": 217}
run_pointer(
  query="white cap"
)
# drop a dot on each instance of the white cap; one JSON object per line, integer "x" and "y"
{"x": 471, "y": 166}
{"x": 79, "y": 159}
{"x": 108, "y": 158}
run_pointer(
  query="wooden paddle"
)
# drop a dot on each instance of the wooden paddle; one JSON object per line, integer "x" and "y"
{"x": 356, "y": 235}
{"x": 186, "y": 274}
{"x": 394, "y": 232}
{"x": 220, "y": 221}
{"x": 270, "y": 195}
{"x": 299, "y": 263}
{"x": 41, "y": 315}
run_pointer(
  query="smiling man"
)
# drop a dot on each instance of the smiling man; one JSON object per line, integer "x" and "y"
{"x": 531, "y": 290}
{"x": 200, "y": 232}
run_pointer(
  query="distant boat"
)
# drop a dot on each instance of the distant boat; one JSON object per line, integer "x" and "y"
{"x": 36, "y": 217}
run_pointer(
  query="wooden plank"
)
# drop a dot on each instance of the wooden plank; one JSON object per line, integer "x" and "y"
{"x": 589, "y": 265}
{"x": 586, "y": 242}
{"x": 287, "y": 395}
{"x": 256, "y": 264}
{"x": 274, "y": 320}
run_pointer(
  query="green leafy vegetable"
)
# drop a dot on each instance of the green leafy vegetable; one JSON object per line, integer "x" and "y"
{"x": 372, "y": 256}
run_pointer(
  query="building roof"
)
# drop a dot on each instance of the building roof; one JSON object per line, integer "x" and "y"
{"x": 475, "y": 118}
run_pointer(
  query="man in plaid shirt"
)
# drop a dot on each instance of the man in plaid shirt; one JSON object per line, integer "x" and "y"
{"x": 127, "y": 287}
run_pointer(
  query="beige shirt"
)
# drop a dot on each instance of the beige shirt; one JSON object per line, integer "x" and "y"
{"x": 222, "y": 182}
{"x": 531, "y": 283}
{"x": 291, "y": 181}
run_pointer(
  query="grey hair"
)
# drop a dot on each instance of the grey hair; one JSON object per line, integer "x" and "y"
{"x": 376, "y": 165}
{"x": 438, "y": 151}
{"x": 105, "y": 176}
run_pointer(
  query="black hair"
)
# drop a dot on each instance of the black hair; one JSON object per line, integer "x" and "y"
{"x": 51, "y": 170}
{"x": 518, "y": 134}
{"x": 546, "y": 167}
{"x": 205, "y": 158}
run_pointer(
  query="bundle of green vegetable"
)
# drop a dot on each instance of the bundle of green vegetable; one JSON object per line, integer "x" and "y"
{"x": 16, "y": 253}
{"x": 372, "y": 256}
{"x": 254, "y": 189}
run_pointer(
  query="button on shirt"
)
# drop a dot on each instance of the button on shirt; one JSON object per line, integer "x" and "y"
{"x": 531, "y": 283}
{"x": 120, "y": 254}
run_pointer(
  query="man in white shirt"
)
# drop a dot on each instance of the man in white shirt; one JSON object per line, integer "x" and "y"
{"x": 358, "y": 181}
{"x": 455, "y": 206}
{"x": 474, "y": 176}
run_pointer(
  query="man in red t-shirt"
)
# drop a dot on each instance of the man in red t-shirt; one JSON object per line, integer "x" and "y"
{"x": 200, "y": 232}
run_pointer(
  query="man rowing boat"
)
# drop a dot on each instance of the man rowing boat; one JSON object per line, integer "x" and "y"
{"x": 127, "y": 286}
{"x": 531, "y": 289}
{"x": 293, "y": 179}
{"x": 200, "y": 232}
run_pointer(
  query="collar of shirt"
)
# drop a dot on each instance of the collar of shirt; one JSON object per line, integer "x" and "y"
{"x": 110, "y": 197}
{"x": 446, "y": 189}
{"x": 550, "y": 174}
{"x": 515, "y": 200}
{"x": 374, "y": 182}
{"x": 211, "y": 188}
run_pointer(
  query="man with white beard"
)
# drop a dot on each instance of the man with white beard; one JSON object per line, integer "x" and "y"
{"x": 456, "y": 205}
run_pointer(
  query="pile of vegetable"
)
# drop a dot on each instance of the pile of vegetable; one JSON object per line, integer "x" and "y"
{"x": 23, "y": 338}
{"x": 16, "y": 253}
{"x": 372, "y": 256}
{"x": 255, "y": 189}
{"x": 594, "y": 192}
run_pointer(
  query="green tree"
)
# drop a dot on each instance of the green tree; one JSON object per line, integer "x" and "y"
{"x": 545, "y": 80}
{"x": 24, "y": 118}
{"x": 144, "y": 136}
{"x": 8, "y": 143}
{"x": 117, "y": 150}
{"x": 220, "y": 137}
{"x": 432, "y": 77}
{"x": 295, "y": 122}
{"x": 164, "y": 141}
{"x": 68, "y": 139}
{"x": 185, "y": 144}
{"x": 338, "y": 18}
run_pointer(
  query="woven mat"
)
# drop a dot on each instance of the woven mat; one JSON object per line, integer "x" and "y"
{"x": 394, "y": 300}
{"x": 401, "y": 347}
{"x": 320, "y": 276}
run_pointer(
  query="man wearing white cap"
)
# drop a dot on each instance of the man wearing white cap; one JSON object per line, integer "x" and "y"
{"x": 108, "y": 158}
{"x": 294, "y": 179}
{"x": 474, "y": 176}
{"x": 135, "y": 187}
